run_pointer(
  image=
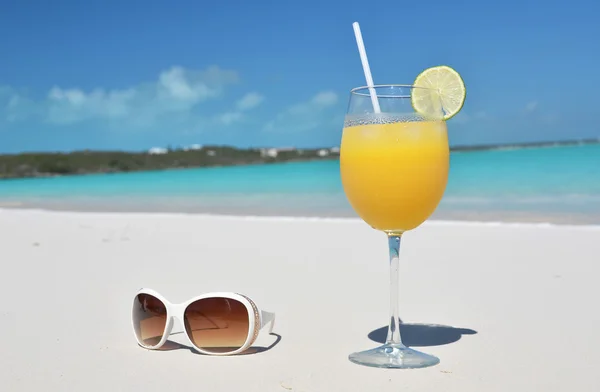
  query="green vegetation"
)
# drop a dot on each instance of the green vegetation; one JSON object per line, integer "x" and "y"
{"x": 85, "y": 162}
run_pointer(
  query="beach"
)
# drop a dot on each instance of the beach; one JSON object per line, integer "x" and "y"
{"x": 505, "y": 306}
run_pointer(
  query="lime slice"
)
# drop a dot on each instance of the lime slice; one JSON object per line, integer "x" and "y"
{"x": 448, "y": 85}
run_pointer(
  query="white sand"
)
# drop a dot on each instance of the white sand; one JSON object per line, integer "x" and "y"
{"x": 530, "y": 293}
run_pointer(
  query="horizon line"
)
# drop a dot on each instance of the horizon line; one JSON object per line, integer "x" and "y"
{"x": 457, "y": 147}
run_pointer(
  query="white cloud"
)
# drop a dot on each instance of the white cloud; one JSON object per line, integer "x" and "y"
{"x": 250, "y": 101}
{"x": 247, "y": 102}
{"x": 14, "y": 106}
{"x": 13, "y": 102}
{"x": 325, "y": 98}
{"x": 176, "y": 91}
{"x": 531, "y": 106}
{"x": 229, "y": 118}
{"x": 65, "y": 106}
{"x": 178, "y": 100}
{"x": 315, "y": 104}
{"x": 175, "y": 84}
{"x": 304, "y": 116}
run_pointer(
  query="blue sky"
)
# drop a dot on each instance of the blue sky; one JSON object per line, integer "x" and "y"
{"x": 136, "y": 74}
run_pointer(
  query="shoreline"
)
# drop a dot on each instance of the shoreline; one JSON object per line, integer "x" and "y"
{"x": 295, "y": 218}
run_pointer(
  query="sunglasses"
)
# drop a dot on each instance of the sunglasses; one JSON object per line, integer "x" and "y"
{"x": 220, "y": 323}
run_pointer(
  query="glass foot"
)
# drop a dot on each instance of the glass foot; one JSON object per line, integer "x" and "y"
{"x": 393, "y": 356}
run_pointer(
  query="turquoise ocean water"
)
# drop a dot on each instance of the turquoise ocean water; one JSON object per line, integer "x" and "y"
{"x": 551, "y": 184}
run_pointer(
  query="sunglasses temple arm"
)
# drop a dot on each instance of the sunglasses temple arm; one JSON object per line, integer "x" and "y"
{"x": 267, "y": 318}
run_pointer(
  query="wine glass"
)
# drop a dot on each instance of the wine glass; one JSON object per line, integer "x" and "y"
{"x": 394, "y": 168}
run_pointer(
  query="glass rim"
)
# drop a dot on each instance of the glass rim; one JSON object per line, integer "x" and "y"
{"x": 356, "y": 90}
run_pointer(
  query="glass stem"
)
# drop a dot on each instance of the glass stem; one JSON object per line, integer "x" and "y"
{"x": 393, "y": 336}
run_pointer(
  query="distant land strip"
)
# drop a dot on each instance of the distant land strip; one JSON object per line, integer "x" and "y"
{"x": 49, "y": 164}
{"x": 518, "y": 146}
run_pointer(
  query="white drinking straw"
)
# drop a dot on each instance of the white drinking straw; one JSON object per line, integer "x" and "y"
{"x": 365, "y": 64}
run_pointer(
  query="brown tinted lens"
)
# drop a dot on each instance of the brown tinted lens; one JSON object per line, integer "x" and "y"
{"x": 217, "y": 325}
{"x": 149, "y": 319}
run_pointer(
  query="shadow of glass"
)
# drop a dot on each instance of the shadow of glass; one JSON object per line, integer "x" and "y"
{"x": 423, "y": 335}
{"x": 171, "y": 345}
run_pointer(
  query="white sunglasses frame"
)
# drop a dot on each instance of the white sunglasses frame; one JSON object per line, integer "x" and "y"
{"x": 258, "y": 319}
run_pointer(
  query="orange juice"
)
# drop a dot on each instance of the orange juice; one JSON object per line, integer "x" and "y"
{"x": 394, "y": 174}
